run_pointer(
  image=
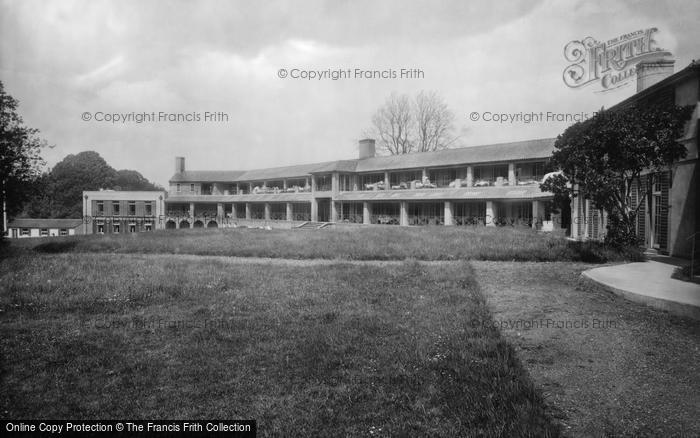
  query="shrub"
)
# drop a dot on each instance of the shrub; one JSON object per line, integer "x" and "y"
{"x": 683, "y": 272}
{"x": 621, "y": 232}
{"x": 56, "y": 246}
{"x": 597, "y": 252}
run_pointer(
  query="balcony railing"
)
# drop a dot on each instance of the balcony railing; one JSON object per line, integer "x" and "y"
{"x": 415, "y": 184}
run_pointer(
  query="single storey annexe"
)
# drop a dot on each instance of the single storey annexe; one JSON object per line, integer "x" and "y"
{"x": 20, "y": 228}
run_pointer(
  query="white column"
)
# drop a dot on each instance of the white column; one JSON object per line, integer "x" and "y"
{"x": 335, "y": 183}
{"x": 536, "y": 214}
{"x": 267, "y": 211}
{"x": 334, "y": 211}
{"x": 586, "y": 210}
{"x": 403, "y": 218}
{"x": 366, "y": 212}
{"x": 448, "y": 214}
{"x": 248, "y": 213}
{"x": 470, "y": 176}
{"x": 490, "y": 214}
{"x": 289, "y": 211}
{"x": 574, "y": 217}
{"x": 314, "y": 205}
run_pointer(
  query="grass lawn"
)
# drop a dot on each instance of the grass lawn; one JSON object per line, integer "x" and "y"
{"x": 334, "y": 350}
{"x": 356, "y": 243}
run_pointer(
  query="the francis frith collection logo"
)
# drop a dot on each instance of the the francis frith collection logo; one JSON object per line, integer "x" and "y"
{"x": 610, "y": 63}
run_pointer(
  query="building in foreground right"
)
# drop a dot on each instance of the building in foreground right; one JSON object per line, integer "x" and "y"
{"x": 674, "y": 217}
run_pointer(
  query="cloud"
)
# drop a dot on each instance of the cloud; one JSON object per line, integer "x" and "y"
{"x": 63, "y": 58}
{"x": 103, "y": 73}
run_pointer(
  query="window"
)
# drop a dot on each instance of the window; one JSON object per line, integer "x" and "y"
{"x": 25, "y": 232}
{"x": 115, "y": 208}
{"x": 115, "y": 227}
{"x": 177, "y": 188}
{"x": 192, "y": 188}
{"x": 323, "y": 183}
{"x": 346, "y": 183}
{"x": 148, "y": 208}
{"x": 132, "y": 208}
{"x": 63, "y": 232}
{"x": 132, "y": 227}
{"x": 100, "y": 228}
{"x": 100, "y": 208}
{"x": 44, "y": 232}
{"x": 148, "y": 226}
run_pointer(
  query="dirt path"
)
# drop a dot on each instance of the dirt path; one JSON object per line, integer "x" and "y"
{"x": 618, "y": 368}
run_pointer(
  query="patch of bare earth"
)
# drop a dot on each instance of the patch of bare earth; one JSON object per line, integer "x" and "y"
{"x": 608, "y": 367}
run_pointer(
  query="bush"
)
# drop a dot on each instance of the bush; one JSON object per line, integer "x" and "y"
{"x": 621, "y": 232}
{"x": 56, "y": 246}
{"x": 597, "y": 252}
{"x": 683, "y": 272}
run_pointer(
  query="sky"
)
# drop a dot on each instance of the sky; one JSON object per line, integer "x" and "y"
{"x": 68, "y": 61}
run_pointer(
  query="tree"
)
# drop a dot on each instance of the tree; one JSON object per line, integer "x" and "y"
{"x": 58, "y": 193}
{"x": 75, "y": 173}
{"x": 606, "y": 156}
{"x": 403, "y": 126}
{"x": 393, "y": 123}
{"x": 20, "y": 157}
{"x": 133, "y": 180}
{"x": 434, "y": 122}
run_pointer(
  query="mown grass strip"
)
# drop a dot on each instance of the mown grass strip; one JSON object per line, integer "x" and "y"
{"x": 359, "y": 243}
{"x": 339, "y": 350}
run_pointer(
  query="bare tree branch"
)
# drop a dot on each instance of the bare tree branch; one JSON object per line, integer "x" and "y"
{"x": 402, "y": 126}
{"x": 434, "y": 122}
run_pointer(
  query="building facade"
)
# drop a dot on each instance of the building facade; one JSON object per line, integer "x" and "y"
{"x": 21, "y": 228}
{"x": 488, "y": 185}
{"x": 113, "y": 211}
{"x": 669, "y": 219}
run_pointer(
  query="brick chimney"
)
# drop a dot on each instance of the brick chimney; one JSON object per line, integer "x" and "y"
{"x": 651, "y": 72}
{"x": 367, "y": 148}
{"x": 179, "y": 164}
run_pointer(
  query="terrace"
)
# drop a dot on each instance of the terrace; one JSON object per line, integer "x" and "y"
{"x": 500, "y": 175}
{"x": 493, "y": 175}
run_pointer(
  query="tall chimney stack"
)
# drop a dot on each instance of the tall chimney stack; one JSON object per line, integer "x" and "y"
{"x": 651, "y": 72}
{"x": 367, "y": 149}
{"x": 179, "y": 164}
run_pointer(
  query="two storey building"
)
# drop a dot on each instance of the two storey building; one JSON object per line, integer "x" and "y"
{"x": 488, "y": 185}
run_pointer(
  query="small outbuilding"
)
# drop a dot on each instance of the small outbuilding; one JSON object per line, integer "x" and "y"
{"x": 20, "y": 228}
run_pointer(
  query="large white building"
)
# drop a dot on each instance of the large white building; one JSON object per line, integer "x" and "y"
{"x": 489, "y": 185}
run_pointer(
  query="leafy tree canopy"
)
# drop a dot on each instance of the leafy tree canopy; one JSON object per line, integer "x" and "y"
{"x": 20, "y": 156}
{"x": 59, "y": 192}
{"x": 606, "y": 155}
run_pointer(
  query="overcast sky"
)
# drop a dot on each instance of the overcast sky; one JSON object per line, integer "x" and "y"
{"x": 64, "y": 58}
